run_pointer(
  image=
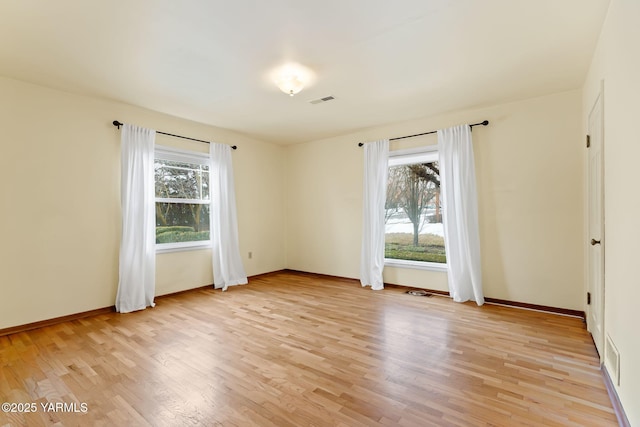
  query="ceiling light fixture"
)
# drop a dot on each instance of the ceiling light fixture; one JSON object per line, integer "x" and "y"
{"x": 290, "y": 84}
{"x": 291, "y": 78}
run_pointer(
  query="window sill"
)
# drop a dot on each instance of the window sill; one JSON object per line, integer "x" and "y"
{"x": 418, "y": 265}
{"x": 163, "y": 248}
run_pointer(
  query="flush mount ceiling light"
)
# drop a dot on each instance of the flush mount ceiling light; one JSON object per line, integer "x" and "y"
{"x": 290, "y": 84}
{"x": 292, "y": 78}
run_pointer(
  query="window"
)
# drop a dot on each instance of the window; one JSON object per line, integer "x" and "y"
{"x": 182, "y": 199}
{"x": 414, "y": 235}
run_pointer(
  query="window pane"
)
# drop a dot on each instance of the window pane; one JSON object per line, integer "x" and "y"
{"x": 181, "y": 222}
{"x": 181, "y": 180}
{"x": 413, "y": 214}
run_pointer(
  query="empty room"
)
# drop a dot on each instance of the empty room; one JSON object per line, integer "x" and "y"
{"x": 338, "y": 213}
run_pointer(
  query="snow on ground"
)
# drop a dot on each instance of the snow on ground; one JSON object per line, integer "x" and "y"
{"x": 403, "y": 225}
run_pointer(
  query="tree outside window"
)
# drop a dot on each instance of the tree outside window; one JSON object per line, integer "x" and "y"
{"x": 413, "y": 214}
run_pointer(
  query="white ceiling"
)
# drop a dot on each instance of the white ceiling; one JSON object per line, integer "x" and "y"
{"x": 384, "y": 61}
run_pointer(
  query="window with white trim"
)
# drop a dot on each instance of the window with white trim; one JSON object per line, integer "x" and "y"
{"x": 414, "y": 235}
{"x": 183, "y": 199}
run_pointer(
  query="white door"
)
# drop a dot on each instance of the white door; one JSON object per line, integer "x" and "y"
{"x": 595, "y": 296}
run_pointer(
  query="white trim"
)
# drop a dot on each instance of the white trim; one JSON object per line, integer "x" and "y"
{"x": 417, "y": 265}
{"x": 182, "y": 246}
{"x": 410, "y": 156}
{"x": 409, "y": 151}
{"x": 177, "y": 155}
{"x": 183, "y": 201}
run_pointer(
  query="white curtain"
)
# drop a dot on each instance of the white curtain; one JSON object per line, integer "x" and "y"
{"x": 136, "y": 287}
{"x": 376, "y": 169}
{"x": 460, "y": 213}
{"x": 227, "y": 264}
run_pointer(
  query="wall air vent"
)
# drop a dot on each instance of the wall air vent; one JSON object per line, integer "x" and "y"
{"x": 612, "y": 360}
{"x": 319, "y": 100}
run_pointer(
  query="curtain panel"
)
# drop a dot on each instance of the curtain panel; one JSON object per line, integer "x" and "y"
{"x": 376, "y": 169}
{"x": 227, "y": 263}
{"x": 136, "y": 285}
{"x": 460, "y": 213}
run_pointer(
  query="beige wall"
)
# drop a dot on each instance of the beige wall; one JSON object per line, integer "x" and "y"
{"x": 529, "y": 166}
{"x": 617, "y": 62}
{"x": 60, "y": 215}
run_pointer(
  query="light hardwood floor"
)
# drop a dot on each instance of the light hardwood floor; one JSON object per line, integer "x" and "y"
{"x": 302, "y": 350}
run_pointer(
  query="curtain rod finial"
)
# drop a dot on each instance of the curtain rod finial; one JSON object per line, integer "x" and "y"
{"x": 486, "y": 122}
{"x": 117, "y": 124}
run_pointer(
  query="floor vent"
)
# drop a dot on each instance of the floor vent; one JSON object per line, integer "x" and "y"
{"x": 612, "y": 360}
{"x": 419, "y": 293}
{"x": 319, "y": 100}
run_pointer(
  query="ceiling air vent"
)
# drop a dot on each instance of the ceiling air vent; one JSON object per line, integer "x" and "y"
{"x": 319, "y": 100}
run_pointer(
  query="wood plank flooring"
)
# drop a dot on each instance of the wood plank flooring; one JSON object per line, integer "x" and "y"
{"x": 303, "y": 350}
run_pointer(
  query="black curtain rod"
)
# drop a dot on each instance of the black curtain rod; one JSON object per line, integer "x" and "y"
{"x": 484, "y": 123}
{"x": 118, "y": 124}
